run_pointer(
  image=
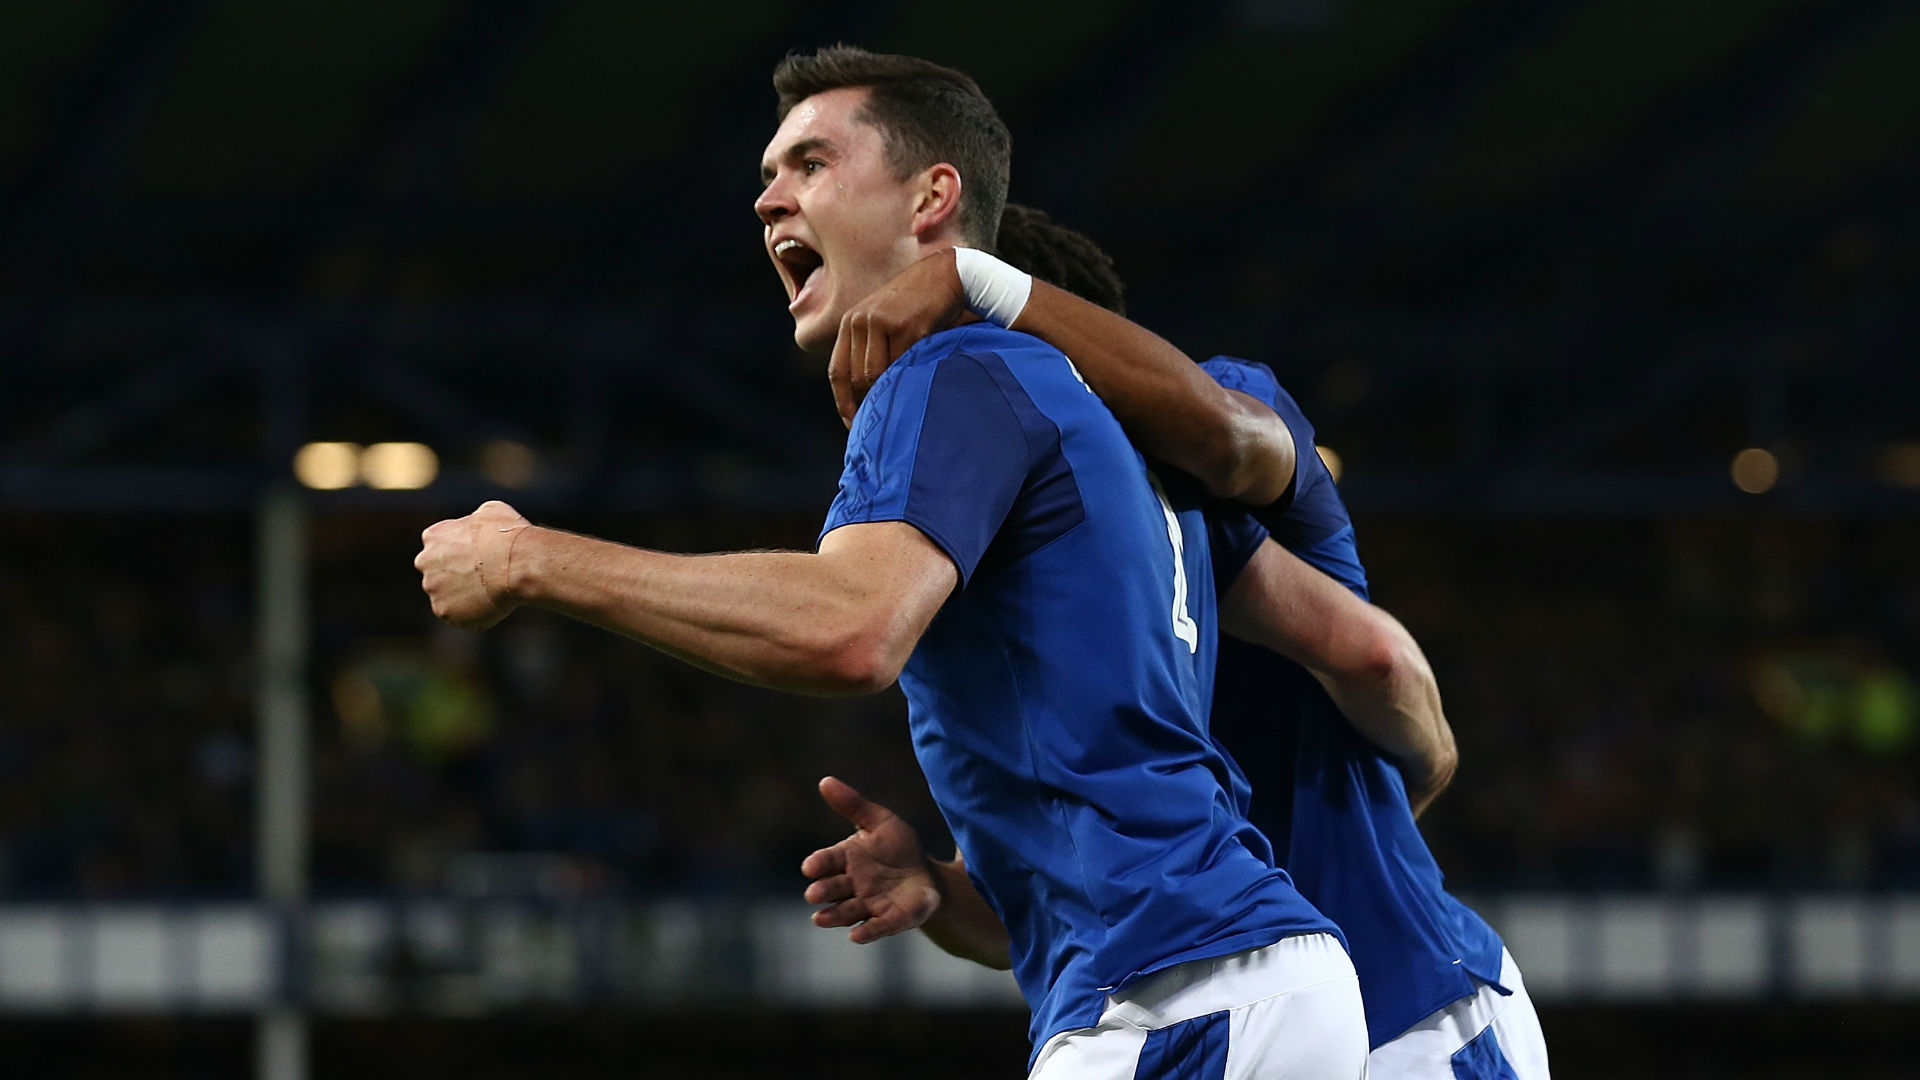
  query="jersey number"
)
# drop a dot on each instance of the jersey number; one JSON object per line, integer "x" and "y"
{"x": 1183, "y": 624}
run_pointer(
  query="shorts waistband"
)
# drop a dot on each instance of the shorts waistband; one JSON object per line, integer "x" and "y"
{"x": 1200, "y": 987}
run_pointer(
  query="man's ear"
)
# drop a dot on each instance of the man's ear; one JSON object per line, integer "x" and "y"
{"x": 937, "y": 202}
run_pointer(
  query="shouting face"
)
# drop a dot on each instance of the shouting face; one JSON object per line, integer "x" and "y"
{"x": 839, "y": 222}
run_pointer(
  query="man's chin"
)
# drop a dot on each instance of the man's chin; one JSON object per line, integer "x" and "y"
{"x": 815, "y": 334}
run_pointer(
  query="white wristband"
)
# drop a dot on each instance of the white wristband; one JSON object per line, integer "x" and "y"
{"x": 996, "y": 291}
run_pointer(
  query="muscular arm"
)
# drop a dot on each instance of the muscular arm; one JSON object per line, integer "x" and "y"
{"x": 842, "y": 621}
{"x": 1235, "y": 446}
{"x": 1371, "y": 666}
{"x": 839, "y": 622}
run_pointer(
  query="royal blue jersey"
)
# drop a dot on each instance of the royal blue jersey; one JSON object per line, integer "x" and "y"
{"x": 1059, "y": 700}
{"x": 1334, "y": 806}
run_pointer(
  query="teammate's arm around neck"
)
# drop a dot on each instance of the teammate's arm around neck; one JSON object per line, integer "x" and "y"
{"x": 1234, "y": 445}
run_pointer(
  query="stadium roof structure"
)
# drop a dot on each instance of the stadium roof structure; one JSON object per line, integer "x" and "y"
{"x": 1535, "y": 256}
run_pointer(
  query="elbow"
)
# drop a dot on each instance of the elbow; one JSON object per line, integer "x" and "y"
{"x": 861, "y": 670}
{"x": 1243, "y": 464}
{"x": 1230, "y": 477}
{"x": 1382, "y": 660}
{"x": 856, "y": 660}
{"x": 1224, "y": 464}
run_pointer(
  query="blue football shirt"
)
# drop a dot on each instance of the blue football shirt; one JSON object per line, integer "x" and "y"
{"x": 1334, "y": 806}
{"x": 1059, "y": 700}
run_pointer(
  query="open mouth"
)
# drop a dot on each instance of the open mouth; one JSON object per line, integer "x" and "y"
{"x": 800, "y": 261}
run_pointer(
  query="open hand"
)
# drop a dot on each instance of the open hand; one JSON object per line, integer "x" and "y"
{"x": 923, "y": 299}
{"x": 465, "y": 565}
{"x": 877, "y": 880}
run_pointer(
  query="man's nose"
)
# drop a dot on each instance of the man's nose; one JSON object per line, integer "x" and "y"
{"x": 773, "y": 203}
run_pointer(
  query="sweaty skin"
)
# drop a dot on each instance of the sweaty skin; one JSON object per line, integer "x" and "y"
{"x": 830, "y": 192}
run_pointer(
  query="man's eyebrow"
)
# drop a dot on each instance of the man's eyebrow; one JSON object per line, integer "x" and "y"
{"x": 795, "y": 152}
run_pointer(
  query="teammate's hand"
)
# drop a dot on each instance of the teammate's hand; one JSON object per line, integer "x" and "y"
{"x": 877, "y": 880}
{"x": 923, "y": 299}
{"x": 465, "y": 565}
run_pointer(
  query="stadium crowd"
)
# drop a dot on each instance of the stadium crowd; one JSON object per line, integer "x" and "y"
{"x": 1709, "y": 701}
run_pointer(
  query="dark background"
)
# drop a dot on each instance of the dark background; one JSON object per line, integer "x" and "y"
{"x": 1537, "y": 270}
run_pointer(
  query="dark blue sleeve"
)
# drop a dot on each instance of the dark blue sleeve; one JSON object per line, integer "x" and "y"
{"x": 1311, "y": 520}
{"x": 1232, "y": 537}
{"x": 936, "y": 445}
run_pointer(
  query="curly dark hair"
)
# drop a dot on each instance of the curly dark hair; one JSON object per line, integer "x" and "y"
{"x": 1059, "y": 256}
{"x": 928, "y": 114}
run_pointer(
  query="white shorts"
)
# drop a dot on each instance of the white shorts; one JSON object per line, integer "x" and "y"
{"x": 1290, "y": 1009}
{"x": 1489, "y": 1036}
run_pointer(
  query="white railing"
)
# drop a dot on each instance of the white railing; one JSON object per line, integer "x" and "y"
{"x": 472, "y": 956}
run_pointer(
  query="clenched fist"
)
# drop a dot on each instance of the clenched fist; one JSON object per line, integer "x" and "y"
{"x": 466, "y": 565}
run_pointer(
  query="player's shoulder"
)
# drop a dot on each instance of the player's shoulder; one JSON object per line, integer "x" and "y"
{"x": 981, "y": 358}
{"x": 978, "y": 362}
{"x": 1247, "y": 376}
{"x": 978, "y": 341}
{"x": 1258, "y": 381}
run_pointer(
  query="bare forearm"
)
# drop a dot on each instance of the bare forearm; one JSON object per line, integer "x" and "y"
{"x": 1396, "y": 706}
{"x": 1369, "y": 663}
{"x": 779, "y": 619}
{"x": 1236, "y": 448}
{"x": 964, "y": 925}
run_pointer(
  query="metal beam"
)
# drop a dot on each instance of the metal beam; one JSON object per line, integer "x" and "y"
{"x": 281, "y": 775}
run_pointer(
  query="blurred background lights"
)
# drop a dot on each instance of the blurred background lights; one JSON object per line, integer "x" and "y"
{"x": 508, "y": 463}
{"x": 399, "y": 466}
{"x": 1900, "y": 465}
{"x": 327, "y": 466}
{"x": 1331, "y": 458}
{"x": 1755, "y": 471}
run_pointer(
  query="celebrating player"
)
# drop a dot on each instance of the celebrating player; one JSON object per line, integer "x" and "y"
{"x": 1059, "y": 702}
{"x": 1443, "y": 997}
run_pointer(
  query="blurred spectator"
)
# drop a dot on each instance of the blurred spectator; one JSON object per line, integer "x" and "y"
{"x": 1701, "y": 702}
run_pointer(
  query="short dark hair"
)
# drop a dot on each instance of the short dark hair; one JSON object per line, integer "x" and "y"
{"x": 927, "y": 113}
{"x": 1061, "y": 257}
